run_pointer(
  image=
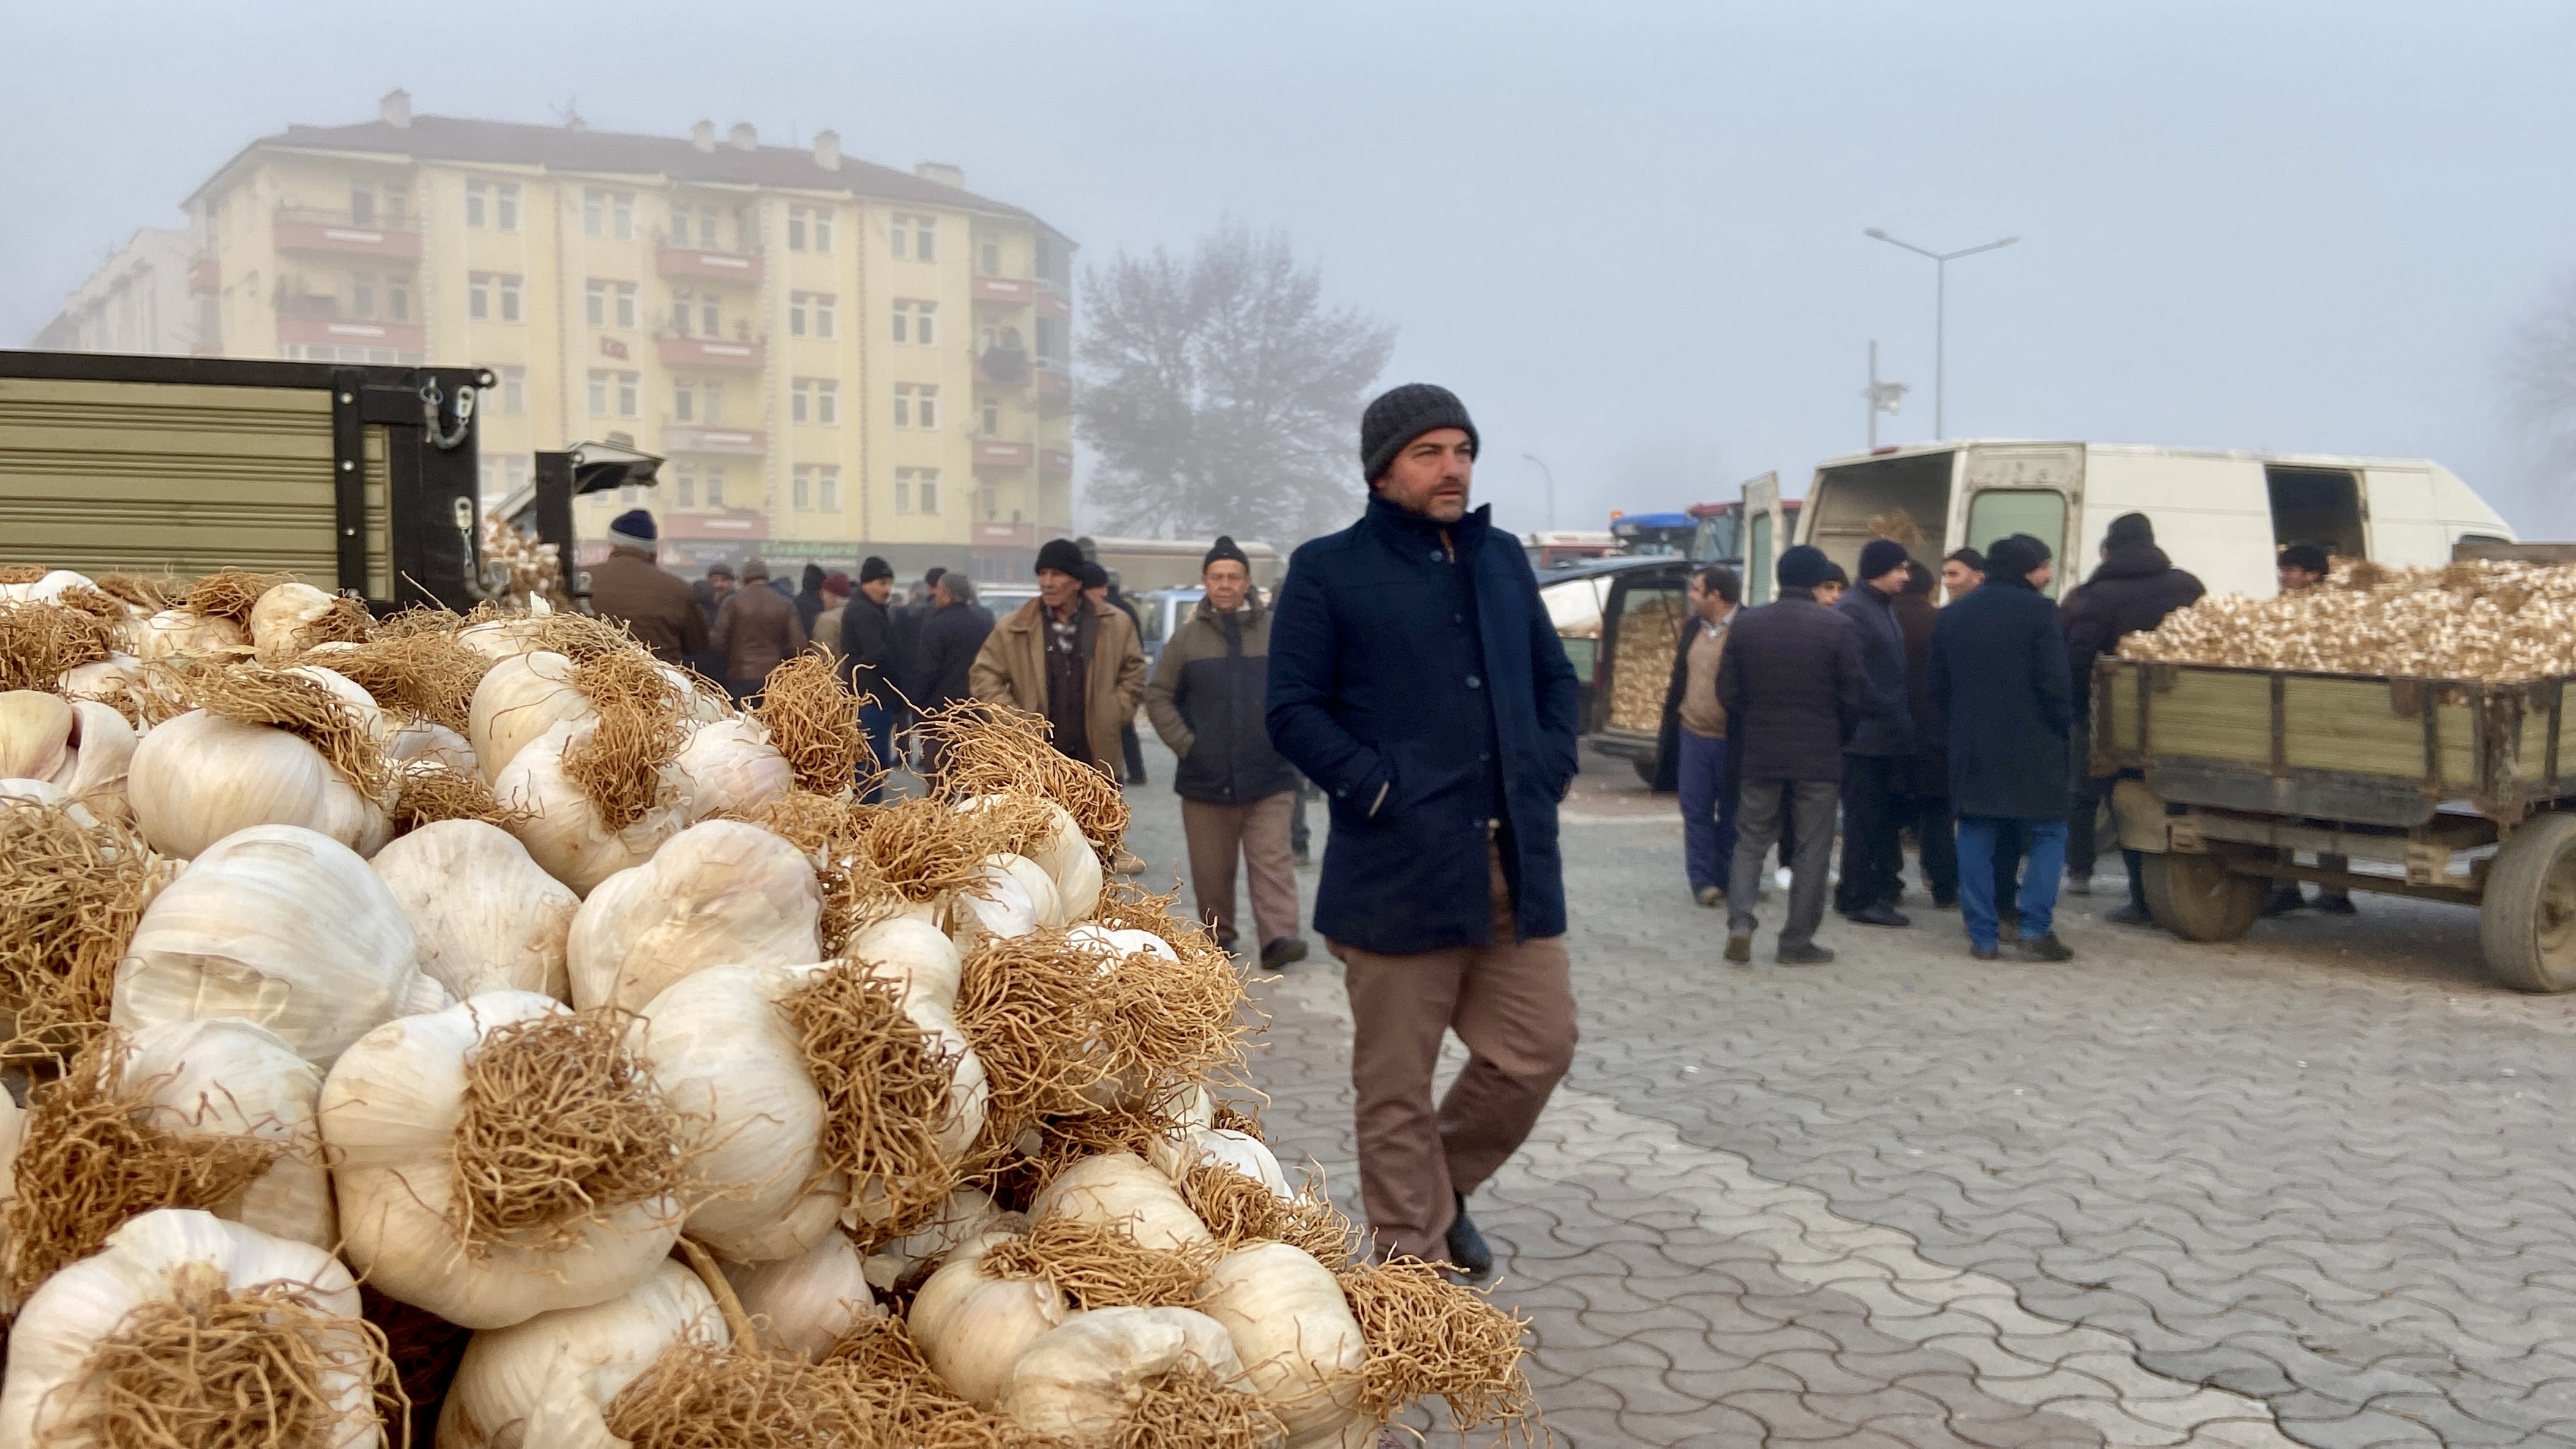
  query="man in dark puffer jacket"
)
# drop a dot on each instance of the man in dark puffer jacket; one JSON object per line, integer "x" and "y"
{"x": 2133, "y": 589}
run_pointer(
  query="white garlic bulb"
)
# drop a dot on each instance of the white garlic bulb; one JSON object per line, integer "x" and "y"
{"x": 718, "y": 893}
{"x": 808, "y": 1301}
{"x": 485, "y": 916}
{"x": 547, "y": 1383}
{"x": 223, "y": 1077}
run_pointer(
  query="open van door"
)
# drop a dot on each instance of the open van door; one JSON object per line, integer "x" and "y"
{"x": 2033, "y": 488}
{"x": 1766, "y": 535}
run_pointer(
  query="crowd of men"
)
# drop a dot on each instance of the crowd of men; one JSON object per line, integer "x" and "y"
{"x": 1965, "y": 725}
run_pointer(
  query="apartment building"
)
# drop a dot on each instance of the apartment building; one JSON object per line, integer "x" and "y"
{"x": 139, "y": 300}
{"x": 836, "y": 357}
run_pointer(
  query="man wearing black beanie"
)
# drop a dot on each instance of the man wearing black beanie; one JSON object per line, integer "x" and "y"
{"x": 1067, "y": 657}
{"x": 1791, "y": 684}
{"x": 1416, "y": 677}
{"x": 1873, "y": 848}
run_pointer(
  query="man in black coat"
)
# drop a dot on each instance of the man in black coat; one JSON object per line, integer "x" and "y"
{"x": 2005, "y": 708}
{"x": 1873, "y": 843}
{"x": 1791, "y": 684}
{"x": 1415, "y": 675}
{"x": 870, "y": 662}
{"x": 950, "y": 639}
{"x": 2132, "y": 589}
{"x": 809, "y": 598}
{"x": 1923, "y": 777}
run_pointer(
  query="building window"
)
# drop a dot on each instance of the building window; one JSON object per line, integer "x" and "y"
{"x": 992, "y": 419}
{"x": 680, "y": 312}
{"x": 711, "y": 395}
{"x": 926, "y": 489}
{"x": 621, "y": 215}
{"x": 799, "y": 395}
{"x": 992, "y": 258}
{"x": 988, "y": 500}
{"x": 917, "y": 323}
{"x": 684, "y": 486}
{"x": 594, "y": 209}
{"x": 715, "y": 485}
{"x": 796, "y": 228}
{"x": 623, "y": 390}
{"x": 801, "y": 488}
{"x": 362, "y": 204}
{"x": 903, "y": 490}
{"x": 594, "y": 304}
{"x": 684, "y": 401}
{"x": 809, "y": 229}
{"x": 916, "y": 236}
{"x": 505, "y": 206}
{"x": 489, "y": 295}
{"x": 709, "y": 323}
{"x": 625, "y": 298}
{"x": 814, "y": 400}
{"x": 477, "y": 199}
{"x": 823, "y": 243}
{"x": 826, "y": 308}
{"x": 362, "y": 294}
{"x": 607, "y": 303}
{"x": 706, "y": 227}
{"x": 812, "y": 314}
{"x": 514, "y": 389}
{"x": 795, "y": 314}
{"x": 398, "y": 298}
{"x": 827, "y": 488}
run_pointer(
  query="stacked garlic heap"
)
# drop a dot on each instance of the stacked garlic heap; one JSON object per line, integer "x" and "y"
{"x": 657, "y": 1089}
{"x": 2487, "y": 621}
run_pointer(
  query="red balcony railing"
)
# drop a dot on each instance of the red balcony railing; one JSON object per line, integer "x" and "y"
{"x": 1055, "y": 462}
{"x": 303, "y": 229}
{"x": 705, "y": 438}
{"x": 712, "y": 352}
{"x": 322, "y": 332}
{"x": 1009, "y": 291}
{"x": 1052, "y": 303}
{"x": 700, "y": 264}
{"x": 989, "y": 454}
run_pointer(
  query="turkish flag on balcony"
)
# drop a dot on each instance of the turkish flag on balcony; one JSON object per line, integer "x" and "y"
{"x": 613, "y": 347}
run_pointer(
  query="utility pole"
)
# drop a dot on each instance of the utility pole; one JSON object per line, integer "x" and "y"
{"x": 1940, "y": 310}
{"x": 1550, "y": 475}
{"x": 1882, "y": 397}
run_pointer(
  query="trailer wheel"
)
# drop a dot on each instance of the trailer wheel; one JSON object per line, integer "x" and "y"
{"x": 2527, "y": 920}
{"x": 2199, "y": 899}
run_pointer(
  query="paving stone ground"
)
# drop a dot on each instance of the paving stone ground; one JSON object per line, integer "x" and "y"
{"x": 2313, "y": 1187}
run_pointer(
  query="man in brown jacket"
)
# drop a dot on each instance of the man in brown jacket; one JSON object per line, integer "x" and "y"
{"x": 756, "y": 631}
{"x": 1063, "y": 656}
{"x": 629, "y": 588}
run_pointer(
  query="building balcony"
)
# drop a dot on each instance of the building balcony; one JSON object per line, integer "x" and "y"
{"x": 1003, "y": 367}
{"x": 996, "y": 455}
{"x": 712, "y": 438}
{"x": 1053, "y": 381}
{"x": 712, "y": 352}
{"x": 326, "y": 332}
{"x": 304, "y": 229}
{"x": 205, "y": 275}
{"x": 1052, "y": 303}
{"x": 701, "y": 264}
{"x": 1002, "y": 535}
{"x": 1003, "y": 291}
{"x": 1055, "y": 462}
{"x": 731, "y": 525}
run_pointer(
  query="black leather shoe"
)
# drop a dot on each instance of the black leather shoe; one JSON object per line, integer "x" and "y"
{"x": 2131, "y": 914}
{"x": 1878, "y": 916}
{"x": 1282, "y": 953}
{"x": 1803, "y": 956}
{"x": 2046, "y": 948}
{"x": 1468, "y": 1252}
{"x": 2335, "y": 903}
{"x": 2007, "y": 931}
{"x": 1739, "y": 946}
{"x": 1985, "y": 953}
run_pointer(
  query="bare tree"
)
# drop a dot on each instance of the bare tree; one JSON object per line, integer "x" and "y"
{"x": 2540, "y": 376}
{"x": 1221, "y": 394}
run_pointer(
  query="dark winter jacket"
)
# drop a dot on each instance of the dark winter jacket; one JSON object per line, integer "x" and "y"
{"x": 755, "y": 632}
{"x": 1791, "y": 684}
{"x": 1886, "y": 722}
{"x": 2133, "y": 589}
{"x": 810, "y": 606}
{"x": 869, "y": 659}
{"x": 1205, "y": 700}
{"x": 1927, "y": 769}
{"x": 950, "y": 639}
{"x": 2003, "y": 704}
{"x": 1415, "y": 675}
{"x": 656, "y": 606}
{"x": 907, "y": 620}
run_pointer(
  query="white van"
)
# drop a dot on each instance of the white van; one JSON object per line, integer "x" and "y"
{"x": 2220, "y": 515}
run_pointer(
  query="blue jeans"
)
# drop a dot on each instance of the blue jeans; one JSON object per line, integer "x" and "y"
{"x": 877, "y": 723}
{"x": 1708, "y": 812}
{"x": 2045, "y": 842}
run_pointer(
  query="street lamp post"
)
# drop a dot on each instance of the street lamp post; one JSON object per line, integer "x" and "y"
{"x": 1550, "y": 476}
{"x": 1940, "y": 307}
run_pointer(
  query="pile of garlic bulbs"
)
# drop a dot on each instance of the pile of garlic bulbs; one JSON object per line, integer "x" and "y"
{"x": 628, "y": 1059}
{"x": 2488, "y": 621}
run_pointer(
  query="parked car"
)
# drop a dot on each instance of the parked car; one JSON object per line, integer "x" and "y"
{"x": 1621, "y": 620}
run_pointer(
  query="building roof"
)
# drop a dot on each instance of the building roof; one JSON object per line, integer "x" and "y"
{"x": 456, "y": 139}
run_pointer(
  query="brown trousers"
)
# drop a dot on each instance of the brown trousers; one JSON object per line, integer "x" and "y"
{"x": 1259, "y": 832}
{"x": 1513, "y": 1007}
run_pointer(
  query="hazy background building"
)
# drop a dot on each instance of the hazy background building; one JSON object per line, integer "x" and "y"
{"x": 139, "y": 300}
{"x": 829, "y": 352}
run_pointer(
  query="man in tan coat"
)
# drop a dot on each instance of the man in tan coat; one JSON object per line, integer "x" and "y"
{"x": 1063, "y": 656}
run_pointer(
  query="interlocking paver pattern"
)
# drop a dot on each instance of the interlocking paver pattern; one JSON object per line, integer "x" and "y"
{"x": 2312, "y": 1184}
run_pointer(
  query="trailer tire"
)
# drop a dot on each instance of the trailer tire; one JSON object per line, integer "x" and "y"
{"x": 2527, "y": 918}
{"x": 2198, "y": 898}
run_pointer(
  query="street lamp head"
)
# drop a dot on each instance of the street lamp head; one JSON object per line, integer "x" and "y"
{"x": 1875, "y": 232}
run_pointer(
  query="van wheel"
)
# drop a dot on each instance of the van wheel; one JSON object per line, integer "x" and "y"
{"x": 2199, "y": 899}
{"x": 2527, "y": 920}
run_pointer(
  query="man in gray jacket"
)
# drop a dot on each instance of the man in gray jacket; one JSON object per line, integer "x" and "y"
{"x": 1207, "y": 700}
{"x": 1873, "y": 855}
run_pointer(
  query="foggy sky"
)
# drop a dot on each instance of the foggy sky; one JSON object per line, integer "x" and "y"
{"x": 1628, "y": 235}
